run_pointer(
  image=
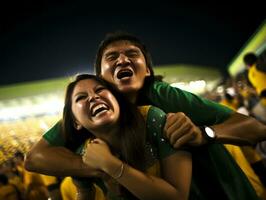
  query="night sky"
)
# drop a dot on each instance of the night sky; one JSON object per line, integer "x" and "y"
{"x": 41, "y": 40}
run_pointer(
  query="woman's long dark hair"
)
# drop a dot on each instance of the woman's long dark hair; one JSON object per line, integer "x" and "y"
{"x": 132, "y": 126}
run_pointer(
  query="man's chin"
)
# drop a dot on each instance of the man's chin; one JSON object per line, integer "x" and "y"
{"x": 129, "y": 92}
{"x": 127, "y": 89}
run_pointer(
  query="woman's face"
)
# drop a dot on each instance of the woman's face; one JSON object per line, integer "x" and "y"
{"x": 124, "y": 65}
{"x": 94, "y": 106}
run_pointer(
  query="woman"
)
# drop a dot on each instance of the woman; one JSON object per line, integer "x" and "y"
{"x": 118, "y": 144}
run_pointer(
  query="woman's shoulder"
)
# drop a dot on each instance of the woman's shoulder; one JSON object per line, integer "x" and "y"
{"x": 154, "y": 119}
{"x": 149, "y": 111}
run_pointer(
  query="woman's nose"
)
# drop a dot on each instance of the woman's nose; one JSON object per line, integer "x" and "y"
{"x": 93, "y": 97}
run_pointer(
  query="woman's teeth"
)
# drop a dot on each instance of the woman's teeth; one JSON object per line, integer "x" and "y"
{"x": 98, "y": 109}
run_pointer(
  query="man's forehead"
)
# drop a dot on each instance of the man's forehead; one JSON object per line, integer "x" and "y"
{"x": 119, "y": 45}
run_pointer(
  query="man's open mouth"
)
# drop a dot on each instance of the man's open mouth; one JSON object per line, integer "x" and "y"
{"x": 124, "y": 73}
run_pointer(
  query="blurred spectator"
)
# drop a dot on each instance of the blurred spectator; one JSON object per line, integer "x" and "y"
{"x": 259, "y": 111}
{"x": 246, "y": 156}
{"x": 8, "y": 168}
{"x": 250, "y": 59}
{"x": 257, "y": 74}
{"x": 8, "y": 191}
{"x": 19, "y": 163}
{"x": 261, "y": 61}
{"x": 68, "y": 189}
{"x": 37, "y": 191}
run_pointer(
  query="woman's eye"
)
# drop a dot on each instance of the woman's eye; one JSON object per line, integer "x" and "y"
{"x": 99, "y": 89}
{"x": 80, "y": 98}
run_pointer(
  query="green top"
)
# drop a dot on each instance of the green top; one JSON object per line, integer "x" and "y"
{"x": 156, "y": 149}
{"x": 170, "y": 99}
{"x": 160, "y": 94}
{"x": 215, "y": 173}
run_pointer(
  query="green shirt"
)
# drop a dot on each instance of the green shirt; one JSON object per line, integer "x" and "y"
{"x": 170, "y": 99}
{"x": 212, "y": 164}
{"x": 160, "y": 94}
{"x": 156, "y": 149}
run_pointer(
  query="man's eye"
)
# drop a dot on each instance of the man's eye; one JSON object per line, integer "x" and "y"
{"x": 111, "y": 57}
{"x": 132, "y": 54}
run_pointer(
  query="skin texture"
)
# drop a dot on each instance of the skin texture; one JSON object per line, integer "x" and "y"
{"x": 119, "y": 56}
{"x": 87, "y": 99}
{"x": 87, "y": 95}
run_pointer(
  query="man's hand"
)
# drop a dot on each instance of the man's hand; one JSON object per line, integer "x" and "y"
{"x": 180, "y": 130}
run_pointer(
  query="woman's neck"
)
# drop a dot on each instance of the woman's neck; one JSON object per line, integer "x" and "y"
{"x": 109, "y": 135}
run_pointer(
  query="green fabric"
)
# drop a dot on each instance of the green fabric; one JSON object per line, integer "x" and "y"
{"x": 155, "y": 124}
{"x": 170, "y": 99}
{"x": 53, "y": 136}
{"x": 160, "y": 147}
{"x": 216, "y": 175}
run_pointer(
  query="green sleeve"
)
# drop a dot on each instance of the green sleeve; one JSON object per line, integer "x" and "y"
{"x": 155, "y": 124}
{"x": 53, "y": 136}
{"x": 201, "y": 111}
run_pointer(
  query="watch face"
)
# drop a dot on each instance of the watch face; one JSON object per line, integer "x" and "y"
{"x": 209, "y": 132}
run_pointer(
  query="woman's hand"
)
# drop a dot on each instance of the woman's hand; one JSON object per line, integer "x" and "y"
{"x": 97, "y": 154}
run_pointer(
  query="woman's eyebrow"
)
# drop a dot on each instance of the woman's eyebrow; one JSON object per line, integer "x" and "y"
{"x": 79, "y": 93}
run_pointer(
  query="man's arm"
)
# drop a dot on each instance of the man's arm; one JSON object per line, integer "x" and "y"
{"x": 240, "y": 130}
{"x": 237, "y": 129}
{"x": 56, "y": 161}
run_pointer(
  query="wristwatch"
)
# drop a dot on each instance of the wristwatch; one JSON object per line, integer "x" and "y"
{"x": 208, "y": 133}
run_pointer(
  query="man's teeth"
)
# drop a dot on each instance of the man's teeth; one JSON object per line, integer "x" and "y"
{"x": 99, "y": 108}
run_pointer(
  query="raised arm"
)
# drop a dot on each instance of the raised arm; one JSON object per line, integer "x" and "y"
{"x": 237, "y": 129}
{"x": 230, "y": 127}
{"x": 240, "y": 129}
{"x": 176, "y": 172}
{"x": 56, "y": 160}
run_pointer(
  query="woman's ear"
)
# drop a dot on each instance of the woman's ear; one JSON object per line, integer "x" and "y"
{"x": 148, "y": 72}
{"x": 77, "y": 125}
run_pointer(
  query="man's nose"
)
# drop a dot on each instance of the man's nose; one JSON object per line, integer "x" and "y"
{"x": 123, "y": 60}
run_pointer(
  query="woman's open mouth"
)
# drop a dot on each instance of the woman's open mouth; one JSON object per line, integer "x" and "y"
{"x": 98, "y": 109}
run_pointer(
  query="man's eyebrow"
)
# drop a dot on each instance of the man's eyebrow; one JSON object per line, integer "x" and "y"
{"x": 132, "y": 50}
{"x": 110, "y": 53}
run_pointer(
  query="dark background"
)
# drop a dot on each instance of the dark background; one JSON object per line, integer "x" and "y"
{"x": 49, "y": 39}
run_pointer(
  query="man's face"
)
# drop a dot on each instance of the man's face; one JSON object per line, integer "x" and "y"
{"x": 124, "y": 65}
